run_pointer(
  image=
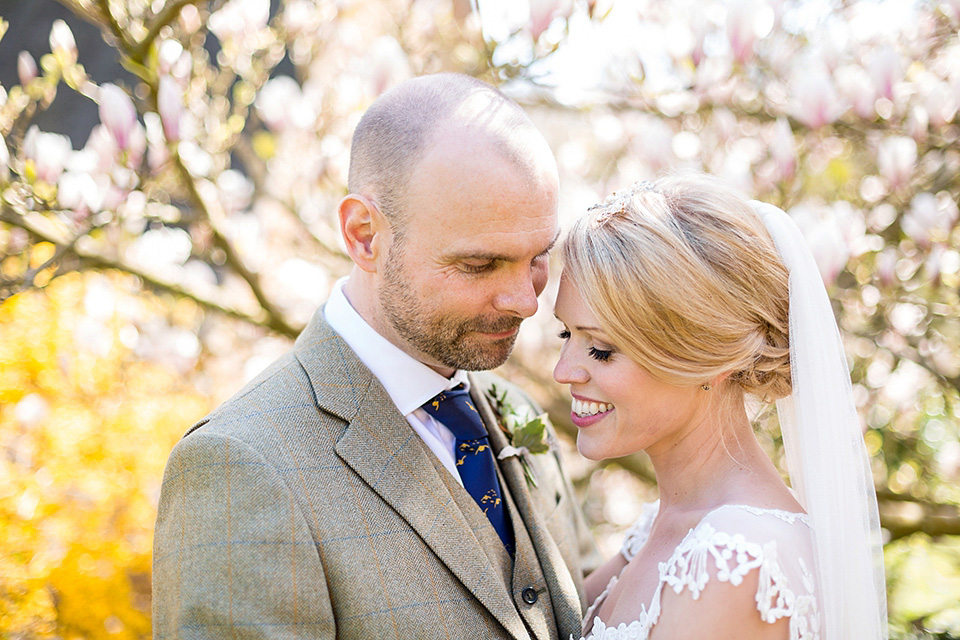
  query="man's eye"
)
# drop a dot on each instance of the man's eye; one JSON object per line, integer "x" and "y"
{"x": 600, "y": 354}
{"x": 469, "y": 267}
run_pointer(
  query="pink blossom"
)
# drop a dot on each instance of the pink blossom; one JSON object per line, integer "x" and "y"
{"x": 897, "y": 159}
{"x": 281, "y": 104}
{"x": 237, "y": 19}
{"x": 885, "y": 70}
{"x": 172, "y": 60}
{"x": 388, "y": 64}
{"x": 80, "y": 192}
{"x": 26, "y": 68}
{"x": 886, "y": 267}
{"x": 4, "y": 161}
{"x": 930, "y": 218}
{"x": 783, "y": 149}
{"x": 102, "y": 148}
{"x": 49, "y": 153}
{"x": 62, "y": 43}
{"x": 118, "y": 114}
{"x": 825, "y": 237}
{"x": 542, "y": 13}
{"x": 857, "y": 88}
{"x": 815, "y": 99}
{"x": 747, "y": 22}
{"x": 169, "y": 106}
{"x": 941, "y": 103}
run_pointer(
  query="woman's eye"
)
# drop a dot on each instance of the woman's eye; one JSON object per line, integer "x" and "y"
{"x": 564, "y": 334}
{"x": 600, "y": 354}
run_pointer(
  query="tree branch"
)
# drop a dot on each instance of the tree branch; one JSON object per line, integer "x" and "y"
{"x": 275, "y": 319}
{"x": 169, "y": 13}
{"x": 47, "y": 233}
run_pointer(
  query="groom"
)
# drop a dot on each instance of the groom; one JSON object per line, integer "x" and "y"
{"x": 353, "y": 489}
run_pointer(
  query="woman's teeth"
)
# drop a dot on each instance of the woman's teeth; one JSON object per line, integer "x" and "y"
{"x": 582, "y": 408}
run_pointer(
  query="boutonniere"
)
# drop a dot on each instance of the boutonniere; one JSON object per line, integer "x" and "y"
{"x": 526, "y": 431}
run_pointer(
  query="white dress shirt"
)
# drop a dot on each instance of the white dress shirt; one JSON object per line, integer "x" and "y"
{"x": 408, "y": 382}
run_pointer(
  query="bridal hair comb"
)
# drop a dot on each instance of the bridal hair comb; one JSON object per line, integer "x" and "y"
{"x": 615, "y": 205}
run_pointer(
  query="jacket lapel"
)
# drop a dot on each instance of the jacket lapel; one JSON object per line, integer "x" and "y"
{"x": 563, "y": 591}
{"x": 385, "y": 452}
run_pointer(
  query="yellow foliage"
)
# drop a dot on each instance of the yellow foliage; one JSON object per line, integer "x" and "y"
{"x": 85, "y": 428}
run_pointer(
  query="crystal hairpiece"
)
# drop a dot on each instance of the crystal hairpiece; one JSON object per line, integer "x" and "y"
{"x": 615, "y": 205}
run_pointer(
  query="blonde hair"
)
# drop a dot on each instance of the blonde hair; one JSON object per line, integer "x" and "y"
{"x": 683, "y": 277}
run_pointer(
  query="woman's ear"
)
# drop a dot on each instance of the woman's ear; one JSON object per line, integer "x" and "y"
{"x": 360, "y": 225}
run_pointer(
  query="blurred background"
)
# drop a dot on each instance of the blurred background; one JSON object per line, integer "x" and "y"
{"x": 170, "y": 176}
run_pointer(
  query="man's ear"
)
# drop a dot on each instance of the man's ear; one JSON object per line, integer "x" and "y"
{"x": 364, "y": 230}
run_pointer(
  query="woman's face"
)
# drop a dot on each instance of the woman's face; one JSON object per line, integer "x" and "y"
{"x": 617, "y": 406}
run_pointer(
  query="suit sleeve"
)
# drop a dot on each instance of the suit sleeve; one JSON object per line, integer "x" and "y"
{"x": 233, "y": 555}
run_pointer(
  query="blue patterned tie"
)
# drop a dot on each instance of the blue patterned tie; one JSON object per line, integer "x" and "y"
{"x": 474, "y": 458}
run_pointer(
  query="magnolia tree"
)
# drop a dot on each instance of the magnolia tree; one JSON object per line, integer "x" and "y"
{"x": 214, "y": 177}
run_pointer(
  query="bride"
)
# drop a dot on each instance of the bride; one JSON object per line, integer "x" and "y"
{"x": 679, "y": 299}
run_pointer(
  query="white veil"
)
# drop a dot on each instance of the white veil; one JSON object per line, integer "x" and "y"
{"x": 825, "y": 452}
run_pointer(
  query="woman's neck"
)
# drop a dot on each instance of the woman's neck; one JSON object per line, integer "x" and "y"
{"x": 712, "y": 460}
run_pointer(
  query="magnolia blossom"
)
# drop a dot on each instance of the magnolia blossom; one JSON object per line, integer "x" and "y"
{"x": 543, "y": 12}
{"x": 897, "y": 159}
{"x": 825, "y": 237}
{"x": 169, "y": 106}
{"x": 26, "y": 68}
{"x": 783, "y": 149}
{"x": 235, "y": 190}
{"x": 62, "y": 43}
{"x": 929, "y": 218}
{"x": 885, "y": 70}
{"x": 237, "y": 19}
{"x": 941, "y": 104}
{"x": 747, "y": 22}
{"x": 388, "y": 65}
{"x": 857, "y": 88}
{"x": 49, "y": 153}
{"x": 815, "y": 99}
{"x": 80, "y": 192}
{"x": 281, "y": 103}
{"x": 4, "y": 161}
{"x": 886, "y": 267}
{"x": 118, "y": 114}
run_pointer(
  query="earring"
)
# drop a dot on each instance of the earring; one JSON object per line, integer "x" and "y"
{"x": 705, "y": 387}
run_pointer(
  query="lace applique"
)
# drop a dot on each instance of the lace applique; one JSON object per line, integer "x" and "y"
{"x": 639, "y": 531}
{"x": 733, "y": 557}
{"x": 789, "y": 517}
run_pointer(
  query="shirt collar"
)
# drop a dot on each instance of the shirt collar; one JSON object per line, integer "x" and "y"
{"x": 407, "y": 381}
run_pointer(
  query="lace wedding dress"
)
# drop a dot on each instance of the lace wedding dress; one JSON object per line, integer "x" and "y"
{"x": 726, "y": 545}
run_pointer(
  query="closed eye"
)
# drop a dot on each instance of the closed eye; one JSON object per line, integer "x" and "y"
{"x": 600, "y": 354}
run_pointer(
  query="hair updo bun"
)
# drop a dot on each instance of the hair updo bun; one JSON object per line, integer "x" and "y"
{"x": 685, "y": 280}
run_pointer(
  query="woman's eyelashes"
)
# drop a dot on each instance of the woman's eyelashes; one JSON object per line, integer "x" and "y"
{"x": 597, "y": 354}
{"x": 600, "y": 354}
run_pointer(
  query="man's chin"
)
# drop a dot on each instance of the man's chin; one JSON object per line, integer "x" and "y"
{"x": 483, "y": 354}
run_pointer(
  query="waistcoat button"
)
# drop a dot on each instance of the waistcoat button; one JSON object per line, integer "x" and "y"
{"x": 529, "y": 595}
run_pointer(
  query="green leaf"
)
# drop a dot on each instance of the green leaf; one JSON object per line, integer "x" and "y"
{"x": 531, "y": 435}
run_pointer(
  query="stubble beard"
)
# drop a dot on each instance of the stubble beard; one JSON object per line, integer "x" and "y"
{"x": 451, "y": 341}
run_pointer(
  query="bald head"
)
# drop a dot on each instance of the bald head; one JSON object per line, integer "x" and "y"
{"x": 400, "y": 126}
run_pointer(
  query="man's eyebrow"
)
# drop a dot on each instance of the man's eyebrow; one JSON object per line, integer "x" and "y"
{"x": 492, "y": 257}
{"x": 552, "y": 244}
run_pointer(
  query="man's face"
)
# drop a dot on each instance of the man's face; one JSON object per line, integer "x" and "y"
{"x": 473, "y": 257}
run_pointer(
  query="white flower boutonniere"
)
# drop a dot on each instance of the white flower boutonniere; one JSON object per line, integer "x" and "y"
{"x": 526, "y": 431}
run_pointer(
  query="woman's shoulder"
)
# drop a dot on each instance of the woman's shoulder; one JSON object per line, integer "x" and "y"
{"x": 742, "y": 557}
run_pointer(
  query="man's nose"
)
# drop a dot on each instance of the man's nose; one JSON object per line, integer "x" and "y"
{"x": 519, "y": 294}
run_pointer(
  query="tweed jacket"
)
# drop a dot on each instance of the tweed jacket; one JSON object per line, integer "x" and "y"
{"x": 306, "y": 506}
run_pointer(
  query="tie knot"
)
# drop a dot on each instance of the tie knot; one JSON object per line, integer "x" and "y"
{"x": 455, "y": 410}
